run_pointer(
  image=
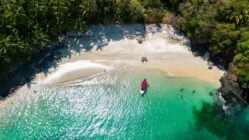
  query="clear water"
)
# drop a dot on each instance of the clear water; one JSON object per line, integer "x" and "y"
{"x": 110, "y": 107}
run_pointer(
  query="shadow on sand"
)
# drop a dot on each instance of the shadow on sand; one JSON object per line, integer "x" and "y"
{"x": 94, "y": 37}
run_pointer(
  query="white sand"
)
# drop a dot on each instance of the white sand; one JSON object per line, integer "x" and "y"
{"x": 163, "y": 46}
{"x": 74, "y": 70}
{"x": 165, "y": 49}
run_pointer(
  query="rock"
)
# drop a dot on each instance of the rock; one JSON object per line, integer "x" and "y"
{"x": 231, "y": 91}
{"x": 206, "y": 56}
{"x": 210, "y": 63}
{"x": 210, "y": 67}
{"x": 140, "y": 40}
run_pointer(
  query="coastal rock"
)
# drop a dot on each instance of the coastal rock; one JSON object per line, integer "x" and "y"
{"x": 231, "y": 91}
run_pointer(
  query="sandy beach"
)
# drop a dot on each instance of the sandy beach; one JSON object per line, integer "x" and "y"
{"x": 117, "y": 47}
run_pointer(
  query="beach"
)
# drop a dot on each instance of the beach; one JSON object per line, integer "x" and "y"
{"x": 116, "y": 48}
{"x": 92, "y": 91}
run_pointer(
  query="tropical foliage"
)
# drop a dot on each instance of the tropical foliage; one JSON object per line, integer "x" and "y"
{"x": 221, "y": 26}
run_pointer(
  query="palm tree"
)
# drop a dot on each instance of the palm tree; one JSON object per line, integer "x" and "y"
{"x": 238, "y": 13}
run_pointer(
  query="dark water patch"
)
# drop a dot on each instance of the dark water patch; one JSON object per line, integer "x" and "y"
{"x": 228, "y": 127}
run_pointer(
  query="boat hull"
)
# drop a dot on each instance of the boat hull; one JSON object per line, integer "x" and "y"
{"x": 142, "y": 91}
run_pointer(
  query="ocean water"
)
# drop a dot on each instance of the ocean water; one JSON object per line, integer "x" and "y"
{"x": 110, "y": 107}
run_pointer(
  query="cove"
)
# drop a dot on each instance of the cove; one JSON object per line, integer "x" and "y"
{"x": 91, "y": 91}
{"x": 109, "y": 107}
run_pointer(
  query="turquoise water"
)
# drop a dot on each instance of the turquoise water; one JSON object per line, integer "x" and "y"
{"x": 110, "y": 107}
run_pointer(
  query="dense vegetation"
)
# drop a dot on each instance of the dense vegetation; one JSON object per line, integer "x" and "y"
{"x": 28, "y": 26}
{"x": 222, "y": 27}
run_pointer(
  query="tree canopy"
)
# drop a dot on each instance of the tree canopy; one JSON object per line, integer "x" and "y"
{"x": 222, "y": 27}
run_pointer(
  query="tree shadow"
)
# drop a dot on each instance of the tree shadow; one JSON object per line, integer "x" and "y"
{"x": 202, "y": 51}
{"x": 95, "y": 36}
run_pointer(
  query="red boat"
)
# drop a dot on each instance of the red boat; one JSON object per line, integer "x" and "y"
{"x": 144, "y": 86}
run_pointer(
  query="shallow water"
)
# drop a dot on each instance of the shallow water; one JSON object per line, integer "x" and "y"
{"x": 110, "y": 107}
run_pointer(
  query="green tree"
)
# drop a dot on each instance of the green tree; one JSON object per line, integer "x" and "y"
{"x": 236, "y": 12}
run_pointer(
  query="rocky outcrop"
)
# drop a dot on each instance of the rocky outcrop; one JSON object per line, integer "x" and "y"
{"x": 231, "y": 91}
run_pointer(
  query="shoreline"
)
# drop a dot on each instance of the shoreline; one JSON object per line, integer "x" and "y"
{"x": 36, "y": 88}
{"x": 165, "y": 51}
{"x": 116, "y": 46}
{"x": 165, "y": 67}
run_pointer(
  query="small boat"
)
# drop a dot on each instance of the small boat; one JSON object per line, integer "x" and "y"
{"x": 143, "y": 86}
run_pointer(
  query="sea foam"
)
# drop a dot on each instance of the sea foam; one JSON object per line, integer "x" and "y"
{"x": 72, "y": 67}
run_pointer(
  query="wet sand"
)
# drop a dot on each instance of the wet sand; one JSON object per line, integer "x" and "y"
{"x": 165, "y": 49}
